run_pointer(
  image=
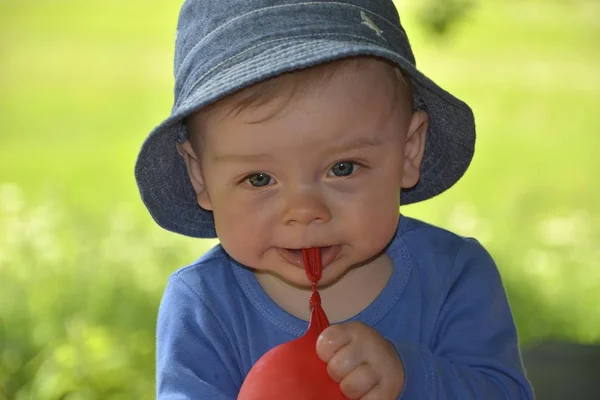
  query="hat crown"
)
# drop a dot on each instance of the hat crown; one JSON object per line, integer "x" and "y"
{"x": 210, "y": 32}
{"x": 224, "y": 46}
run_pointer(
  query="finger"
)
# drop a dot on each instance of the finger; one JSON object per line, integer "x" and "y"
{"x": 359, "y": 382}
{"x": 375, "y": 394}
{"x": 384, "y": 389}
{"x": 344, "y": 361}
{"x": 331, "y": 340}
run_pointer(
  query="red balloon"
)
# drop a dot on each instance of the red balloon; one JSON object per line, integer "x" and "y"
{"x": 293, "y": 371}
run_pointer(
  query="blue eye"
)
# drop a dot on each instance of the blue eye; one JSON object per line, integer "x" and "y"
{"x": 343, "y": 168}
{"x": 259, "y": 180}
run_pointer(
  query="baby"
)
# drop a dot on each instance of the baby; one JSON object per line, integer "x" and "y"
{"x": 305, "y": 124}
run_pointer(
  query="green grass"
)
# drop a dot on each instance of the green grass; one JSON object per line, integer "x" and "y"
{"x": 82, "y": 266}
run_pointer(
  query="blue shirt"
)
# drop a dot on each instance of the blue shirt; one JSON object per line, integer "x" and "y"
{"x": 444, "y": 308}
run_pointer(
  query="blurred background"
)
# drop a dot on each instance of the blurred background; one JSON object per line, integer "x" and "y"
{"x": 82, "y": 266}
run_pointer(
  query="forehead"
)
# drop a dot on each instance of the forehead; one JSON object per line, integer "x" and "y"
{"x": 337, "y": 95}
{"x": 283, "y": 88}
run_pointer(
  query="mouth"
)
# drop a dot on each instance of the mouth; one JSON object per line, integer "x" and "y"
{"x": 294, "y": 256}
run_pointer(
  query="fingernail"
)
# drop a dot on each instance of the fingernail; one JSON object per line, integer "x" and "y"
{"x": 320, "y": 339}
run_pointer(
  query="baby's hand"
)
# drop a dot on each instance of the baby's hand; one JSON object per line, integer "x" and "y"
{"x": 365, "y": 364}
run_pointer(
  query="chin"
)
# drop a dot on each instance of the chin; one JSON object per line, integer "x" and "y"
{"x": 296, "y": 276}
{"x": 296, "y": 279}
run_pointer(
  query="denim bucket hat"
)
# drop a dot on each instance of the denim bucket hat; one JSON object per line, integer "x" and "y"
{"x": 223, "y": 46}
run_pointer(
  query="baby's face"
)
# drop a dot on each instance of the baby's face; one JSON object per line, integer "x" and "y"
{"x": 325, "y": 171}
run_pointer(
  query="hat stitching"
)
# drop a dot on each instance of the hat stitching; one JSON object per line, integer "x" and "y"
{"x": 180, "y": 113}
{"x": 177, "y": 121}
{"x": 261, "y": 44}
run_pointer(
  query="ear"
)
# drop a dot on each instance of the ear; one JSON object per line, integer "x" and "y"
{"x": 194, "y": 171}
{"x": 414, "y": 147}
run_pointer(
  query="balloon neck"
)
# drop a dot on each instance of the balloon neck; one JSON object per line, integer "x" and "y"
{"x": 318, "y": 318}
{"x": 314, "y": 268}
{"x": 315, "y": 300}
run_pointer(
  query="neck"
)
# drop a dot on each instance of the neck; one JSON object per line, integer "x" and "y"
{"x": 354, "y": 292}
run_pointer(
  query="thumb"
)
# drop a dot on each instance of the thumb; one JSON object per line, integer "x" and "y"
{"x": 331, "y": 340}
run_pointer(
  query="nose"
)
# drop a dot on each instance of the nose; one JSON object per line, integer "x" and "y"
{"x": 305, "y": 206}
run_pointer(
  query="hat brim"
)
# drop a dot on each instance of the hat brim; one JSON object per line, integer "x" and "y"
{"x": 160, "y": 172}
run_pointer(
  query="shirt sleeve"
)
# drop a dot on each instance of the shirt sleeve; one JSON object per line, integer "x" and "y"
{"x": 193, "y": 356}
{"x": 475, "y": 353}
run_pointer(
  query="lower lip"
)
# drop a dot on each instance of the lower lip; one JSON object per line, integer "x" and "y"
{"x": 294, "y": 257}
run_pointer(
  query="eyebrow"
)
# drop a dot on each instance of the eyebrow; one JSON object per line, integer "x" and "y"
{"x": 353, "y": 145}
{"x": 356, "y": 144}
{"x": 245, "y": 158}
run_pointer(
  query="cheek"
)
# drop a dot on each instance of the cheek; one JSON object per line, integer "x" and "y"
{"x": 241, "y": 232}
{"x": 380, "y": 224}
{"x": 373, "y": 220}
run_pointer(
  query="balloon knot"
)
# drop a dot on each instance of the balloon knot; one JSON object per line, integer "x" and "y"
{"x": 315, "y": 300}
